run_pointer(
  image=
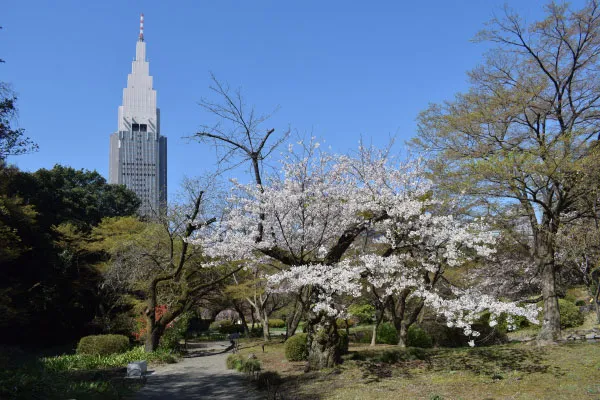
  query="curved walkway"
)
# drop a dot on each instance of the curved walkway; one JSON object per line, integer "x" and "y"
{"x": 201, "y": 374}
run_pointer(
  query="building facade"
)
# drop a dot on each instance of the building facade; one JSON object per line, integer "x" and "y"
{"x": 138, "y": 152}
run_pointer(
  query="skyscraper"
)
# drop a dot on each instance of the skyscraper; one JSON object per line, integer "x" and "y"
{"x": 138, "y": 153}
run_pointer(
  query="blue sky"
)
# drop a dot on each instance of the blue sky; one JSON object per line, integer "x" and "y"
{"x": 339, "y": 70}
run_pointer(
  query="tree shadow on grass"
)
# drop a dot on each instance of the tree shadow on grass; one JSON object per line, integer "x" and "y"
{"x": 491, "y": 360}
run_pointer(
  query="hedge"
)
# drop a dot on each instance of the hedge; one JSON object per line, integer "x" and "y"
{"x": 102, "y": 345}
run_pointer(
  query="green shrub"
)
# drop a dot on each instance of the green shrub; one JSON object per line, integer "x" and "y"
{"x": 417, "y": 337}
{"x": 250, "y": 366}
{"x": 172, "y": 337}
{"x": 296, "y": 347}
{"x": 570, "y": 315}
{"x": 364, "y": 312}
{"x": 387, "y": 334}
{"x": 580, "y": 303}
{"x": 257, "y": 331}
{"x": 103, "y": 345}
{"x": 276, "y": 323}
{"x": 225, "y": 326}
{"x": 234, "y": 361}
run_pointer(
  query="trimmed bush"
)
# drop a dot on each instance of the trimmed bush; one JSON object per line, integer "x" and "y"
{"x": 276, "y": 323}
{"x": 570, "y": 315}
{"x": 387, "y": 334}
{"x": 103, "y": 345}
{"x": 417, "y": 337}
{"x": 296, "y": 348}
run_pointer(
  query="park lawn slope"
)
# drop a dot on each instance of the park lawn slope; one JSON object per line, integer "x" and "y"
{"x": 515, "y": 371}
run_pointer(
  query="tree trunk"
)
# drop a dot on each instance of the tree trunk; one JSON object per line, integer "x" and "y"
{"x": 551, "y": 323}
{"x": 265, "y": 325}
{"x": 240, "y": 311}
{"x": 323, "y": 350}
{"x": 299, "y": 311}
{"x": 403, "y": 334}
{"x": 293, "y": 326}
{"x": 404, "y": 325}
{"x": 153, "y": 339}
{"x": 378, "y": 319}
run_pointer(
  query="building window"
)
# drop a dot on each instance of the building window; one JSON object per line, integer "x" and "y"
{"x": 135, "y": 127}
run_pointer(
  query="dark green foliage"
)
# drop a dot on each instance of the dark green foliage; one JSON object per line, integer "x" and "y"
{"x": 103, "y": 345}
{"x": 276, "y": 323}
{"x": 226, "y": 327}
{"x": 580, "y": 303}
{"x": 387, "y": 334}
{"x": 296, "y": 347}
{"x": 52, "y": 284}
{"x": 570, "y": 315}
{"x": 81, "y": 197}
{"x": 364, "y": 312}
{"x": 417, "y": 337}
{"x": 171, "y": 339}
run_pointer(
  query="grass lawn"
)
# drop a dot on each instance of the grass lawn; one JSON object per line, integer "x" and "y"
{"x": 514, "y": 371}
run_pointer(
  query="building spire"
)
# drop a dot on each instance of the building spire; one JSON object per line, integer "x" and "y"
{"x": 141, "y": 27}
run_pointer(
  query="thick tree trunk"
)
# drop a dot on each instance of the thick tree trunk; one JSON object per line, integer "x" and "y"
{"x": 240, "y": 311}
{"x": 403, "y": 334}
{"x": 323, "y": 350}
{"x": 547, "y": 267}
{"x": 153, "y": 339}
{"x": 407, "y": 321}
{"x": 551, "y": 323}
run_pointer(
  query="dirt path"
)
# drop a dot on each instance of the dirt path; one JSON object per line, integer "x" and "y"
{"x": 200, "y": 375}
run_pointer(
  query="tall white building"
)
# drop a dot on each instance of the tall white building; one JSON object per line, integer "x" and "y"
{"x": 138, "y": 153}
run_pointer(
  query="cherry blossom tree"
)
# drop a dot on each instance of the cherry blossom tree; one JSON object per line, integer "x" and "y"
{"x": 312, "y": 214}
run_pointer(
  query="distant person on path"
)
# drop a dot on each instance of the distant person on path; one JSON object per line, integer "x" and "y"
{"x": 233, "y": 339}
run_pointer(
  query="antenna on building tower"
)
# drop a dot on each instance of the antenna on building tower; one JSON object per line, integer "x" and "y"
{"x": 141, "y": 27}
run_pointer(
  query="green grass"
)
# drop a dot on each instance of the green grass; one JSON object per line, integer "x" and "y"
{"x": 514, "y": 371}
